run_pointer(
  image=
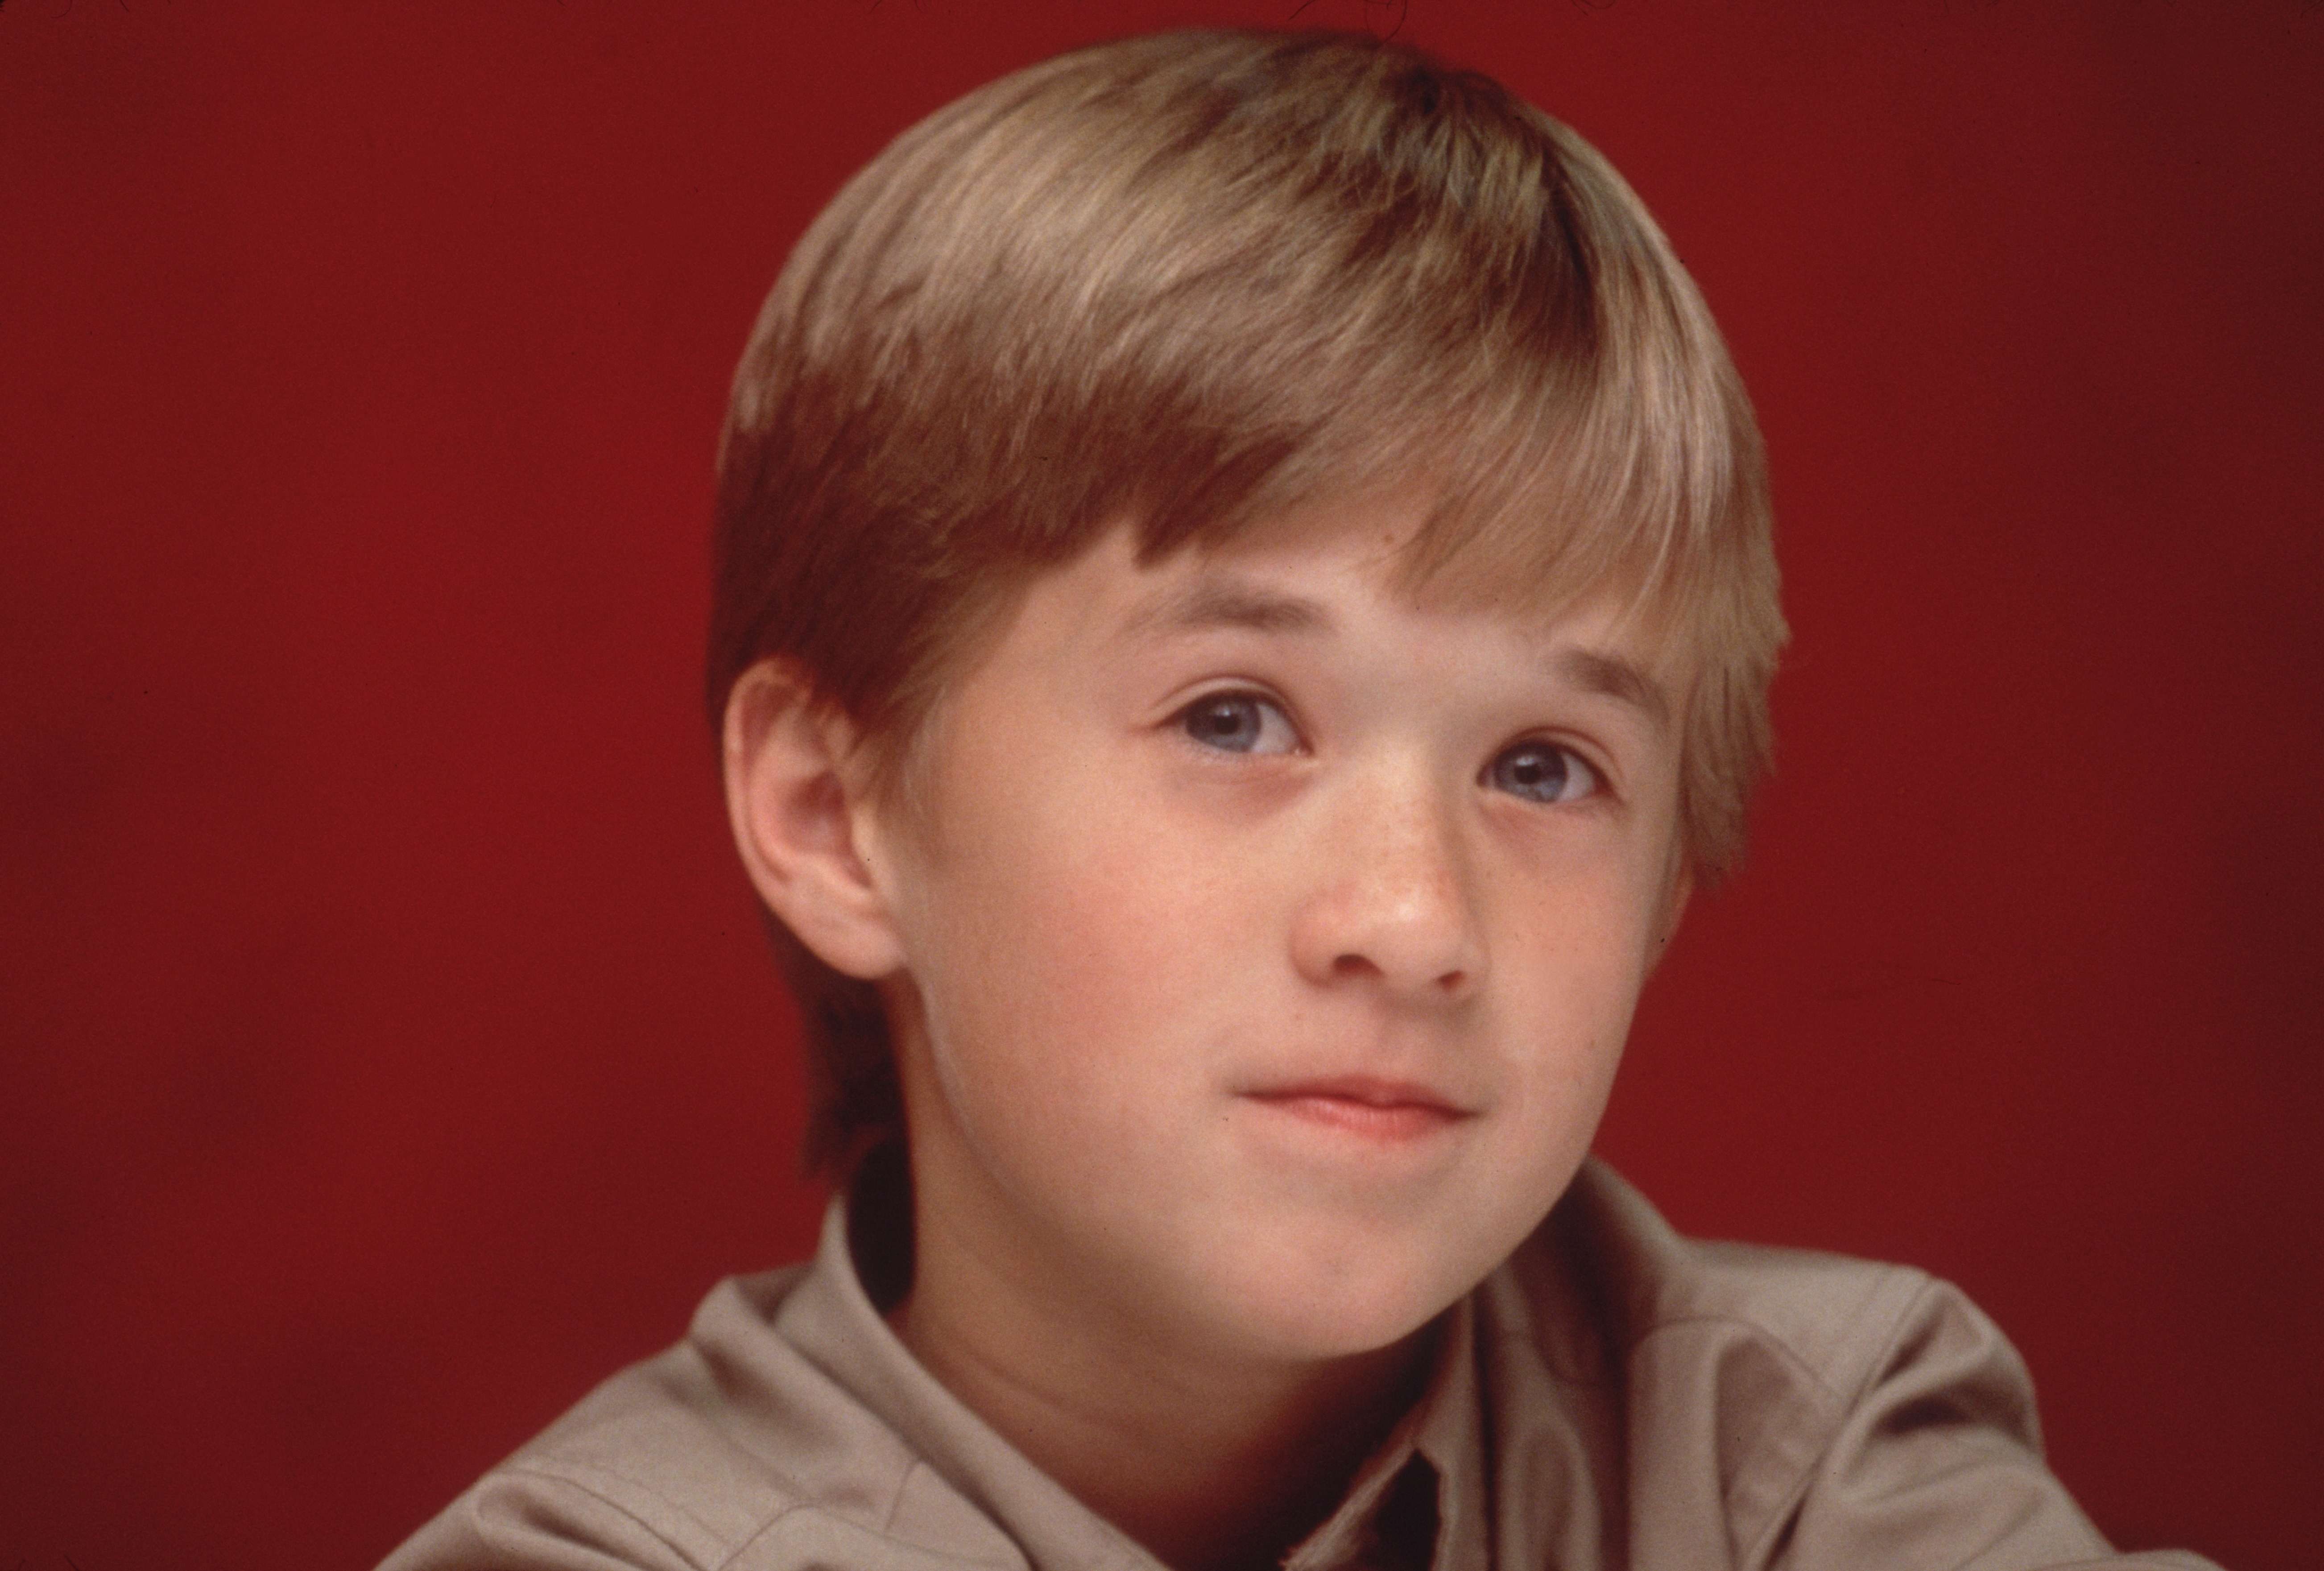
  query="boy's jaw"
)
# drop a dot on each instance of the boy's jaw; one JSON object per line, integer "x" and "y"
{"x": 1271, "y": 1051}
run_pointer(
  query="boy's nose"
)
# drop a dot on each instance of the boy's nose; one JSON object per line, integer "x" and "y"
{"x": 1392, "y": 902}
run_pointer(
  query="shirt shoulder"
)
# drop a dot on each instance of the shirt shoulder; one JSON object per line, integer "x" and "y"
{"x": 1784, "y": 1409}
{"x": 736, "y": 1449}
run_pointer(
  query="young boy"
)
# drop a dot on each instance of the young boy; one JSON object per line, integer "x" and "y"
{"x": 1244, "y": 606}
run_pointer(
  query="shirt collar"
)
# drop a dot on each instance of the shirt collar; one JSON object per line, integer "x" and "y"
{"x": 1419, "y": 1501}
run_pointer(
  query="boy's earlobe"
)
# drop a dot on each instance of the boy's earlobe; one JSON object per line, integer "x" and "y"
{"x": 1681, "y": 888}
{"x": 793, "y": 795}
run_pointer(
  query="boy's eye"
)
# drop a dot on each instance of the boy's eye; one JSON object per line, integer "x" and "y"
{"x": 1239, "y": 723}
{"x": 1542, "y": 772}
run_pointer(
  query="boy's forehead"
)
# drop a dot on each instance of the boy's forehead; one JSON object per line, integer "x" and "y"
{"x": 1282, "y": 573}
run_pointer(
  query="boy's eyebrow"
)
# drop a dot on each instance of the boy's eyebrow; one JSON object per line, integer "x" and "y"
{"x": 1615, "y": 677}
{"x": 1216, "y": 603}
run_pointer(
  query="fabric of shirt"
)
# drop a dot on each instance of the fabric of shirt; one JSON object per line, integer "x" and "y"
{"x": 1614, "y": 1396}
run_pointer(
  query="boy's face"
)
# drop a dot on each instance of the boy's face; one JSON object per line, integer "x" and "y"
{"x": 1271, "y": 941}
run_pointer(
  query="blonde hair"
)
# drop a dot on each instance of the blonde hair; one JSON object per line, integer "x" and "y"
{"x": 1191, "y": 281}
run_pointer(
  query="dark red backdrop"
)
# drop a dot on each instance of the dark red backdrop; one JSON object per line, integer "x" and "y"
{"x": 389, "y": 1049}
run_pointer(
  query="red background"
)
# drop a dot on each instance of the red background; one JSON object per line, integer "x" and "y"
{"x": 389, "y": 1049}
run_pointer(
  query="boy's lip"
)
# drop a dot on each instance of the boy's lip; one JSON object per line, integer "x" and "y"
{"x": 1365, "y": 1103}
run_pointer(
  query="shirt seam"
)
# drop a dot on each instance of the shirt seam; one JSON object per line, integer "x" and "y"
{"x": 759, "y": 1534}
{"x": 896, "y": 1497}
{"x": 1923, "y": 1287}
{"x": 572, "y": 1476}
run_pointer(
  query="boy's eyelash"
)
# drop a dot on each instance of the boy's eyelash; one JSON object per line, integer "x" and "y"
{"x": 1211, "y": 721}
{"x": 1507, "y": 770}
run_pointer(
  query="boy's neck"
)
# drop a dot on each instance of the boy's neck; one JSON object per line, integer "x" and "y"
{"x": 1211, "y": 1463}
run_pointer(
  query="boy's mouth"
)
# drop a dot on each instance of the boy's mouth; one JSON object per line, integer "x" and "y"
{"x": 1365, "y": 1104}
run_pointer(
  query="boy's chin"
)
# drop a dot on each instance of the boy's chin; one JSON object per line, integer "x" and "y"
{"x": 1304, "y": 1283}
{"x": 1385, "y": 1273}
{"x": 1350, "y": 1336}
{"x": 1282, "y": 1315}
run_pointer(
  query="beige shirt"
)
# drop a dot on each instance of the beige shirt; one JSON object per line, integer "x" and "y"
{"x": 1614, "y": 1396}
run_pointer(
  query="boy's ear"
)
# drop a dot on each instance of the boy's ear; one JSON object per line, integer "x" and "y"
{"x": 1681, "y": 888}
{"x": 798, "y": 802}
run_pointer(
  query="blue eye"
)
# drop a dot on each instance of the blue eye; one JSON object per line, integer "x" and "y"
{"x": 1542, "y": 772}
{"x": 1239, "y": 723}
